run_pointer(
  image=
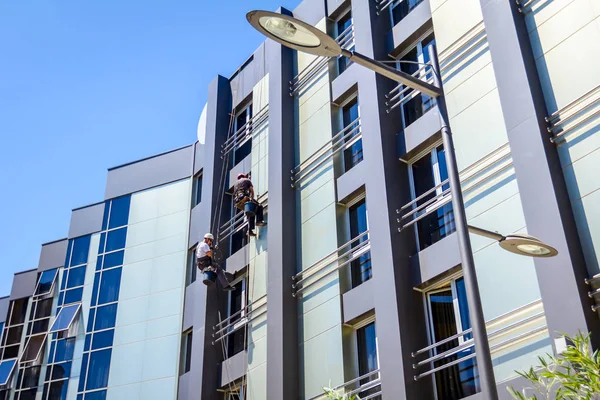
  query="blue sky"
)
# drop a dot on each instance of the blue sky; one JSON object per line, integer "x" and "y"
{"x": 87, "y": 85}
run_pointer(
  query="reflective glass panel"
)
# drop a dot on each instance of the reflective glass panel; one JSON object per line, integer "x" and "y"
{"x": 98, "y": 369}
{"x": 65, "y": 318}
{"x": 58, "y": 390}
{"x": 100, "y": 395}
{"x": 81, "y": 248}
{"x": 106, "y": 317}
{"x": 33, "y": 348}
{"x": 119, "y": 212}
{"x": 76, "y": 277}
{"x": 46, "y": 282}
{"x": 113, "y": 259}
{"x": 109, "y": 286}
{"x": 103, "y": 339}
{"x": 115, "y": 240}
{"x": 43, "y": 308}
{"x": 73, "y": 296}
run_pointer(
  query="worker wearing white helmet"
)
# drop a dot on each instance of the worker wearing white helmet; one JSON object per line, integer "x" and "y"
{"x": 204, "y": 261}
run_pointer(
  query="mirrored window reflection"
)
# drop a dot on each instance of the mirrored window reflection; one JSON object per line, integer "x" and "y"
{"x": 33, "y": 348}
{"x": 119, "y": 212}
{"x": 361, "y": 266}
{"x": 65, "y": 318}
{"x": 115, "y": 240}
{"x": 105, "y": 317}
{"x": 366, "y": 339}
{"x": 81, "y": 248}
{"x": 46, "y": 282}
{"x": 110, "y": 284}
{"x": 98, "y": 369}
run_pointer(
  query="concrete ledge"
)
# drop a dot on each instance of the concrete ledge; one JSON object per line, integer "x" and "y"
{"x": 421, "y": 133}
{"x": 358, "y": 301}
{"x": 234, "y": 368}
{"x": 351, "y": 181}
{"x": 336, "y": 7}
{"x": 410, "y": 27}
{"x": 437, "y": 260}
{"x": 345, "y": 84}
{"x": 238, "y": 260}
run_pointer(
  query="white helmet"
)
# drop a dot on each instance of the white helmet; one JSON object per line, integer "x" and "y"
{"x": 209, "y": 236}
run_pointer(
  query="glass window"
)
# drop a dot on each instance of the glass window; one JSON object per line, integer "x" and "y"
{"x": 448, "y": 312}
{"x": 46, "y": 282}
{"x": 43, "y": 308}
{"x": 97, "y": 376}
{"x": 113, "y": 259}
{"x": 186, "y": 352}
{"x": 109, "y": 286}
{"x": 19, "y": 312}
{"x": 27, "y": 394}
{"x": 29, "y": 377}
{"x": 59, "y": 371}
{"x": 64, "y": 349}
{"x": 428, "y": 172}
{"x": 119, "y": 212}
{"x": 13, "y": 335}
{"x": 238, "y": 300}
{"x": 353, "y": 153}
{"x": 1, "y": 331}
{"x": 33, "y": 348}
{"x": 73, "y": 296}
{"x": 400, "y": 9}
{"x": 197, "y": 195}
{"x": 11, "y": 352}
{"x": 81, "y": 248}
{"x": 192, "y": 270}
{"x": 65, "y": 318}
{"x": 103, "y": 339}
{"x": 115, "y": 240}
{"x": 100, "y": 395}
{"x": 76, "y": 277}
{"x": 243, "y": 139}
{"x": 40, "y": 326}
{"x": 366, "y": 339}
{"x": 344, "y": 38}
{"x": 105, "y": 317}
{"x": 57, "y": 390}
{"x": 361, "y": 266}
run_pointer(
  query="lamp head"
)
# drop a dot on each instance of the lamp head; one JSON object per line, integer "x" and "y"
{"x": 526, "y": 245}
{"x": 293, "y": 33}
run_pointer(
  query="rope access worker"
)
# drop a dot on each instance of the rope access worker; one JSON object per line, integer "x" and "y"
{"x": 243, "y": 195}
{"x": 204, "y": 261}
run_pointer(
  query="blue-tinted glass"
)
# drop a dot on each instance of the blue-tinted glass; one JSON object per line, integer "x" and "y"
{"x": 95, "y": 289}
{"x": 84, "y": 365}
{"x": 63, "y": 282}
{"x": 109, "y": 286}
{"x": 73, "y": 295}
{"x": 102, "y": 243}
{"x": 68, "y": 256}
{"x": 119, "y": 212}
{"x": 100, "y": 395}
{"x": 463, "y": 306}
{"x": 51, "y": 356}
{"x": 113, "y": 259}
{"x": 61, "y": 298}
{"x": 76, "y": 277}
{"x": 64, "y": 349}
{"x": 65, "y": 318}
{"x": 105, "y": 217}
{"x": 98, "y": 370}
{"x": 116, "y": 239}
{"x": 60, "y": 371}
{"x": 106, "y": 317}
{"x": 46, "y": 281}
{"x": 90, "y": 324}
{"x": 6, "y": 368}
{"x": 57, "y": 390}
{"x": 1, "y": 330}
{"x": 88, "y": 342}
{"x": 79, "y": 397}
{"x": 103, "y": 339}
{"x": 81, "y": 248}
{"x": 350, "y": 112}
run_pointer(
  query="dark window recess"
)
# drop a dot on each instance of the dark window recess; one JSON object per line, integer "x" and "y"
{"x": 353, "y": 154}
{"x": 43, "y": 308}
{"x": 401, "y": 9}
{"x": 361, "y": 267}
{"x": 186, "y": 352}
{"x": 13, "y": 335}
{"x": 56, "y": 390}
{"x": 460, "y": 380}
{"x": 192, "y": 269}
{"x": 29, "y": 377}
{"x": 366, "y": 338}
{"x": 40, "y": 326}
{"x": 46, "y": 282}
{"x": 81, "y": 248}
{"x": 242, "y": 149}
{"x": 342, "y": 24}
{"x": 119, "y": 212}
{"x": 197, "y": 195}
{"x": 19, "y": 312}
{"x": 236, "y": 341}
{"x": 10, "y": 352}
{"x": 439, "y": 223}
{"x": 27, "y": 394}
{"x": 240, "y": 238}
{"x": 97, "y": 376}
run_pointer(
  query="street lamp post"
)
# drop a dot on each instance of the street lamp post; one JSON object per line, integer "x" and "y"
{"x": 301, "y": 36}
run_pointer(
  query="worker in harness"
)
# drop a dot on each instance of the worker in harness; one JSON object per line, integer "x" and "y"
{"x": 243, "y": 195}
{"x": 204, "y": 261}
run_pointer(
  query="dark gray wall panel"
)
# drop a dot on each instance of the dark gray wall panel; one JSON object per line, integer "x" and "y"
{"x": 436, "y": 260}
{"x": 86, "y": 220}
{"x": 234, "y": 368}
{"x": 4, "y": 302}
{"x": 198, "y": 157}
{"x": 542, "y": 188}
{"x": 351, "y": 181}
{"x": 23, "y": 284}
{"x": 199, "y": 224}
{"x": 238, "y": 260}
{"x": 342, "y": 84}
{"x": 419, "y": 132}
{"x": 243, "y": 83}
{"x": 358, "y": 301}
{"x": 148, "y": 173}
{"x": 53, "y": 255}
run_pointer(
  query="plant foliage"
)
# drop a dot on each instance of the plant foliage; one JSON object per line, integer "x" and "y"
{"x": 334, "y": 395}
{"x": 573, "y": 375}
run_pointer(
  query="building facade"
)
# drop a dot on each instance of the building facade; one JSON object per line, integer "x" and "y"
{"x": 356, "y": 282}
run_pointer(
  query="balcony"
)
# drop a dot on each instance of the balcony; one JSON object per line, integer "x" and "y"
{"x": 367, "y": 386}
{"x": 246, "y": 132}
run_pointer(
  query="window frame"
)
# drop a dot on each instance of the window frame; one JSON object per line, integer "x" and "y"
{"x": 197, "y": 184}
{"x": 336, "y": 33}
{"x": 361, "y": 197}
{"x": 244, "y": 107}
{"x": 191, "y": 273}
{"x": 348, "y": 144}
{"x": 52, "y": 285}
{"x": 186, "y": 351}
{"x": 243, "y": 320}
{"x": 71, "y": 320}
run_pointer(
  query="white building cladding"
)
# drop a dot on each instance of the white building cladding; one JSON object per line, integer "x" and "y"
{"x": 357, "y": 276}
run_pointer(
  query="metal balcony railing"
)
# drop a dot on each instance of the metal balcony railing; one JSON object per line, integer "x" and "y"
{"x": 577, "y": 114}
{"x": 319, "y": 64}
{"x": 246, "y": 131}
{"x": 340, "y": 141}
{"x": 473, "y": 176}
{"x": 401, "y": 92}
{"x": 240, "y": 319}
{"x": 373, "y": 383}
{"x": 238, "y": 222}
{"x": 382, "y": 5}
{"x": 334, "y": 261}
{"x": 469, "y": 344}
{"x": 462, "y": 48}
